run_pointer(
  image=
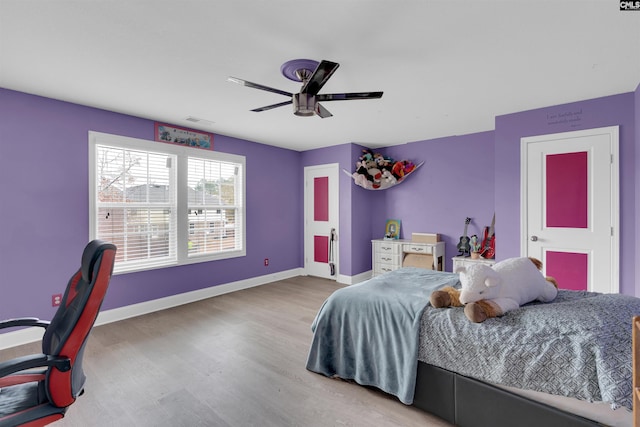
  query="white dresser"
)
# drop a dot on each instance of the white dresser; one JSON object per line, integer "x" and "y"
{"x": 461, "y": 261}
{"x": 387, "y": 255}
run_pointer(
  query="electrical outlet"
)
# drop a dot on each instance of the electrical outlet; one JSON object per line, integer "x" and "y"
{"x": 56, "y": 299}
{"x": 266, "y": 262}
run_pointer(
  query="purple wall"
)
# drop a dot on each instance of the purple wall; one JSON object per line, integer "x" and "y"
{"x": 477, "y": 174}
{"x": 607, "y": 111}
{"x": 363, "y": 204}
{"x": 455, "y": 182}
{"x": 45, "y": 218}
{"x": 354, "y": 234}
{"x": 45, "y": 191}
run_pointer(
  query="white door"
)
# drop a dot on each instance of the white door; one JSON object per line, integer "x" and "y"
{"x": 320, "y": 218}
{"x": 570, "y": 207}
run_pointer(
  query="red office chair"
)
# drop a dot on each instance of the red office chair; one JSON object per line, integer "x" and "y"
{"x": 36, "y": 390}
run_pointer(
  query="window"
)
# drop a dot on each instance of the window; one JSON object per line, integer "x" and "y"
{"x": 164, "y": 204}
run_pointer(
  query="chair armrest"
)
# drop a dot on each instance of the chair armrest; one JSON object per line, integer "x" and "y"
{"x": 24, "y": 321}
{"x": 33, "y": 361}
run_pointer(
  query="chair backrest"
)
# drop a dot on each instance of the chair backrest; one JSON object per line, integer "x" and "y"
{"x": 67, "y": 334}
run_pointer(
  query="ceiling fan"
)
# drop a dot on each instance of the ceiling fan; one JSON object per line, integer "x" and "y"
{"x": 313, "y": 76}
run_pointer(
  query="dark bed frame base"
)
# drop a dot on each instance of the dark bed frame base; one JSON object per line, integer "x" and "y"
{"x": 466, "y": 402}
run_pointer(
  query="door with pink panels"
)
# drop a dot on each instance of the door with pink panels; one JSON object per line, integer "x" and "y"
{"x": 321, "y": 217}
{"x": 570, "y": 207}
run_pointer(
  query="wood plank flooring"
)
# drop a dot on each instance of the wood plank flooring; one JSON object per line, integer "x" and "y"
{"x": 233, "y": 360}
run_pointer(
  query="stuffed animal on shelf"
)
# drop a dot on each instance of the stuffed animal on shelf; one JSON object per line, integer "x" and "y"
{"x": 493, "y": 291}
{"x": 375, "y": 171}
{"x": 376, "y": 176}
{"x": 388, "y": 178}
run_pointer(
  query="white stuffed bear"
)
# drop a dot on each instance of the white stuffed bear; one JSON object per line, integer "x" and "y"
{"x": 491, "y": 292}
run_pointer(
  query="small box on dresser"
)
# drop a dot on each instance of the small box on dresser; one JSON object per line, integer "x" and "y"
{"x": 425, "y": 237}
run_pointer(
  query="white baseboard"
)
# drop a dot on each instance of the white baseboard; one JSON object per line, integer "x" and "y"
{"x": 28, "y": 335}
{"x": 352, "y": 280}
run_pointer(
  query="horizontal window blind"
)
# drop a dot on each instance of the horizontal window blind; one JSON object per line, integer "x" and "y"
{"x": 163, "y": 205}
{"x": 215, "y": 210}
{"x": 136, "y": 205}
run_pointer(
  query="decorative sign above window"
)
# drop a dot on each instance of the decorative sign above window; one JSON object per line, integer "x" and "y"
{"x": 377, "y": 172}
{"x": 182, "y": 136}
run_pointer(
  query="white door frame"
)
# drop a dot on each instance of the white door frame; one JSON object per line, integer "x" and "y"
{"x": 334, "y": 212}
{"x": 613, "y": 132}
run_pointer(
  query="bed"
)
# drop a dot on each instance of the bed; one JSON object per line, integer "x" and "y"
{"x": 565, "y": 363}
{"x": 636, "y": 370}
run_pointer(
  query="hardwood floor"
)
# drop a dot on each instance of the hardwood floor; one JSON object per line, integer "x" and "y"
{"x": 233, "y": 360}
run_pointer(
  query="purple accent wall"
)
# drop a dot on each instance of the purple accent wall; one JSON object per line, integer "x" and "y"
{"x": 354, "y": 237}
{"x": 476, "y": 175}
{"x": 44, "y": 184}
{"x": 363, "y": 206}
{"x": 455, "y": 182}
{"x": 45, "y": 218}
{"x": 594, "y": 113}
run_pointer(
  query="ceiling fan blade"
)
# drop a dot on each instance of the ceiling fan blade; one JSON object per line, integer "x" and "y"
{"x": 323, "y": 71}
{"x": 322, "y": 112}
{"x": 258, "y": 86}
{"x": 348, "y": 96}
{"x": 269, "y": 107}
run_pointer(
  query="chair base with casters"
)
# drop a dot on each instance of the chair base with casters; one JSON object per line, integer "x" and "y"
{"x": 37, "y": 389}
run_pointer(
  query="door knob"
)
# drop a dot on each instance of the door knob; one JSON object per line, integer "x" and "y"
{"x": 534, "y": 238}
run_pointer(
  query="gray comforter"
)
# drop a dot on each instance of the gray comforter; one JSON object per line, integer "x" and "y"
{"x": 579, "y": 346}
{"x": 369, "y": 332}
{"x": 375, "y": 332}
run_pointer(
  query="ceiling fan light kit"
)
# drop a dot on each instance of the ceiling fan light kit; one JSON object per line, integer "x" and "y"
{"x": 313, "y": 76}
{"x": 304, "y": 104}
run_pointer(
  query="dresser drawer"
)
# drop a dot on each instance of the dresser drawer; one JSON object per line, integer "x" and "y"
{"x": 384, "y": 258}
{"x": 387, "y": 248}
{"x": 411, "y": 248}
{"x": 384, "y": 268}
{"x": 460, "y": 261}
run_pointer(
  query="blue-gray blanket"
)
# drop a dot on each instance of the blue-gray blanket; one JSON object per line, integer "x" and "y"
{"x": 369, "y": 332}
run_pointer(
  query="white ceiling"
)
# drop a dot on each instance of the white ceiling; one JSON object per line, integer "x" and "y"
{"x": 446, "y": 67}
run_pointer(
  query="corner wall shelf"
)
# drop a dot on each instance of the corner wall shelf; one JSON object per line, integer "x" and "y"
{"x": 384, "y": 184}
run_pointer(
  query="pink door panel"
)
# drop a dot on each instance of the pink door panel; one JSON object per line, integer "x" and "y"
{"x": 321, "y": 213}
{"x": 570, "y": 269}
{"x": 321, "y": 198}
{"x": 321, "y": 249}
{"x": 567, "y": 190}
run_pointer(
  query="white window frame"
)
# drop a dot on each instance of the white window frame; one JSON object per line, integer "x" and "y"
{"x": 183, "y": 229}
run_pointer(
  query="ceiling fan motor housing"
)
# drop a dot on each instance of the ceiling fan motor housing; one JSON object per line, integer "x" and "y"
{"x": 304, "y": 104}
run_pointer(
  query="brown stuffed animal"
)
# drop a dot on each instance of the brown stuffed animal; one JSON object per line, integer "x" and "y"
{"x": 446, "y": 297}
